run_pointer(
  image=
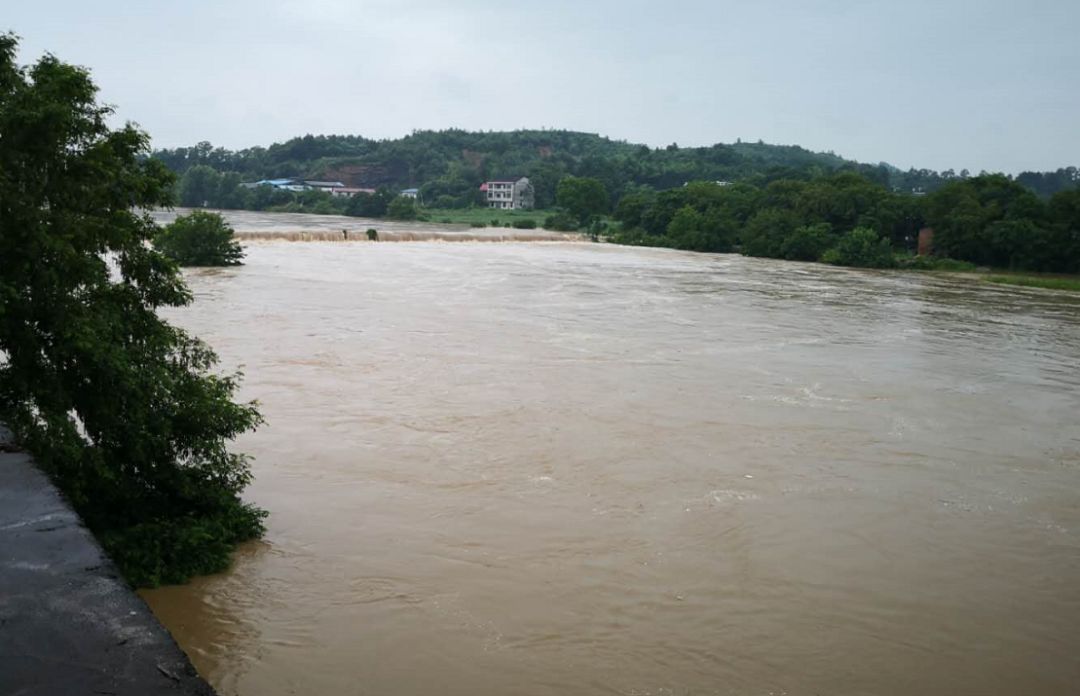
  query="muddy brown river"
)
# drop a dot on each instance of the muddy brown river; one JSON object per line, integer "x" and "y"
{"x": 574, "y": 468}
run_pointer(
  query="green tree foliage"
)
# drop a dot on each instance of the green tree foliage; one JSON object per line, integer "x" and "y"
{"x": 372, "y": 205}
{"x": 991, "y": 220}
{"x": 1065, "y": 217}
{"x": 402, "y": 208}
{"x": 1047, "y": 184}
{"x": 267, "y": 197}
{"x": 451, "y": 164}
{"x": 632, "y": 208}
{"x": 544, "y": 177}
{"x": 690, "y": 229}
{"x": 561, "y": 222}
{"x": 122, "y": 409}
{"x": 988, "y": 220}
{"x": 767, "y": 231}
{"x": 861, "y": 247}
{"x": 582, "y": 197}
{"x": 808, "y": 242}
{"x": 199, "y": 239}
{"x": 199, "y": 187}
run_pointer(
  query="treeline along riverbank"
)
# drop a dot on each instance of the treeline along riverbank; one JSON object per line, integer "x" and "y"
{"x": 846, "y": 219}
{"x": 763, "y": 200}
{"x": 447, "y": 166}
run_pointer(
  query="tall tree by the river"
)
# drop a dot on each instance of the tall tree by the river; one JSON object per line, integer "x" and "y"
{"x": 121, "y": 408}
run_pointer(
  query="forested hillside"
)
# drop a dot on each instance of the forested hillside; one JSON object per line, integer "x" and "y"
{"x": 448, "y": 165}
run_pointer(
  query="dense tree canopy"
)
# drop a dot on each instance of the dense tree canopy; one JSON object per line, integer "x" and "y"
{"x": 849, "y": 220}
{"x": 582, "y": 197}
{"x": 401, "y": 208}
{"x": 199, "y": 239}
{"x": 448, "y": 166}
{"x": 994, "y": 221}
{"x": 120, "y": 407}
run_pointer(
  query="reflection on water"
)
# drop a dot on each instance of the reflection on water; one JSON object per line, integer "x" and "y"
{"x": 553, "y": 469}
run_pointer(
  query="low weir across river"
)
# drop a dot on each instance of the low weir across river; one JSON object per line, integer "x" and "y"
{"x": 550, "y": 469}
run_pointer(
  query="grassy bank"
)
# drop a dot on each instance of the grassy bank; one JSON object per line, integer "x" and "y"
{"x": 1028, "y": 280}
{"x": 487, "y": 216}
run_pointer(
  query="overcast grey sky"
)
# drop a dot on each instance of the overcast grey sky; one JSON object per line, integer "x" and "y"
{"x": 992, "y": 85}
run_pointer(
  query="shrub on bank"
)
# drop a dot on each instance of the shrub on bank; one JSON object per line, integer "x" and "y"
{"x": 933, "y": 263}
{"x": 526, "y": 224}
{"x": 561, "y": 222}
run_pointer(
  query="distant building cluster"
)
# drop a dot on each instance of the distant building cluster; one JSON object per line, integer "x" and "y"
{"x": 334, "y": 188}
{"x": 509, "y": 194}
{"x": 514, "y": 193}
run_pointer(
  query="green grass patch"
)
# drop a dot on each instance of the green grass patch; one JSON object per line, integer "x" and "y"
{"x": 1037, "y": 281}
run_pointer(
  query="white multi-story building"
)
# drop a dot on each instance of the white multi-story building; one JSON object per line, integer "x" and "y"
{"x": 508, "y": 194}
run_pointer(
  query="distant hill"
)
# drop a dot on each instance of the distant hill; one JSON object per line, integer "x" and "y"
{"x": 448, "y": 165}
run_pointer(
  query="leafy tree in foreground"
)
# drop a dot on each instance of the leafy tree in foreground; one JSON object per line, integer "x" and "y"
{"x": 121, "y": 408}
{"x": 199, "y": 239}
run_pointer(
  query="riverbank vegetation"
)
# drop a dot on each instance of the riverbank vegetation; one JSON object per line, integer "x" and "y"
{"x": 762, "y": 200}
{"x": 1036, "y": 281}
{"x": 199, "y": 239}
{"x": 448, "y": 166}
{"x": 846, "y": 219}
{"x": 123, "y": 410}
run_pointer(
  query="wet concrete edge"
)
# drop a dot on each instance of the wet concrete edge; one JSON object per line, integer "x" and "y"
{"x": 69, "y": 624}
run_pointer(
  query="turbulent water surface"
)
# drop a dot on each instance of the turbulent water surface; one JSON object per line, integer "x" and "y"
{"x": 586, "y": 469}
{"x": 250, "y": 225}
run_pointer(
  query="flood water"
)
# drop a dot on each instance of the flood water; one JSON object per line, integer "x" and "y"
{"x": 548, "y": 469}
{"x": 249, "y": 225}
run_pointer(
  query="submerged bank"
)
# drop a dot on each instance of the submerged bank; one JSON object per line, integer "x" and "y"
{"x": 301, "y": 227}
{"x": 1031, "y": 280}
{"x": 69, "y": 624}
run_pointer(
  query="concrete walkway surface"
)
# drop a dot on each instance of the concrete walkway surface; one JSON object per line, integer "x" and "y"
{"x": 69, "y": 624}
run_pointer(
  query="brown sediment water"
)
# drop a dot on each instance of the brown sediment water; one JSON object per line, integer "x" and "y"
{"x": 496, "y": 234}
{"x": 301, "y": 227}
{"x": 585, "y": 469}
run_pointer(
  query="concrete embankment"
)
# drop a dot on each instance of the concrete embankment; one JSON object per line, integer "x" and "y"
{"x": 69, "y": 624}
